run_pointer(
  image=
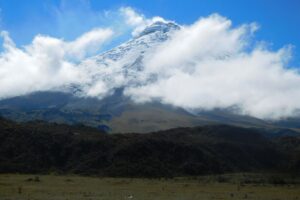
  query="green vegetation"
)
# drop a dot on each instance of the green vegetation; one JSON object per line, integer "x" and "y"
{"x": 237, "y": 186}
{"x": 39, "y": 147}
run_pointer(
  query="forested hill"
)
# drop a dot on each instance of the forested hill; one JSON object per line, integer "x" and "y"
{"x": 39, "y": 147}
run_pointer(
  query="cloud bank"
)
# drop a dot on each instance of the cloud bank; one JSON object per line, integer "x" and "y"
{"x": 45, "y": 64}
{"x": 206, "y": 65}
{"x": 209, "y": 65}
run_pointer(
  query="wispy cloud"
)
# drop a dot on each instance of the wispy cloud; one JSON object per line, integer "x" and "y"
{"x": 138, "y": 20}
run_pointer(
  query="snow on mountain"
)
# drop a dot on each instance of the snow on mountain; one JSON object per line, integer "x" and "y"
{"x": 120, "y": 66}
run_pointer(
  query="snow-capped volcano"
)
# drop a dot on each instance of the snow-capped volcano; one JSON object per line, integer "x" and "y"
{"x": 151, "y": 36}
{"x": 159, "y": 27}
{"x": 121, "y": 65}
{"x": 99, "y": 100}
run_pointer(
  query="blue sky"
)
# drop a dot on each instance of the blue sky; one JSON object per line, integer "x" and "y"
{"x": 279, "y": 20}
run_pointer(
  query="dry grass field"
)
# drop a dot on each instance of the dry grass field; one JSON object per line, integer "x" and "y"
{"x": 71, "y": 187}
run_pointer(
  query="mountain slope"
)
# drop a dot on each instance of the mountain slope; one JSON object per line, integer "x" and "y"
{"x": 115, "y": 111}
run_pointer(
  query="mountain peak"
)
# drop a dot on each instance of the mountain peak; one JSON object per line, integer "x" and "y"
{"x": 159, "y": 26}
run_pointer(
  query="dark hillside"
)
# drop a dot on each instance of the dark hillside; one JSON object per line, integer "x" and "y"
{"x": 38, "y": 147}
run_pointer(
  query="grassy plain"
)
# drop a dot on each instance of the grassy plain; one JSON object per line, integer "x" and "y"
{"x": 72, "y": 187}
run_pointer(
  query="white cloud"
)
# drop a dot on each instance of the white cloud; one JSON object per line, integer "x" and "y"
{"x": 45, "y": 64}
{"x": 209, "y": 65}
{"x": 7, "y": 41}
{"x": 137, "y": 20}
{"x": 132, "y": 17}
{"x": 88, "y": 43}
